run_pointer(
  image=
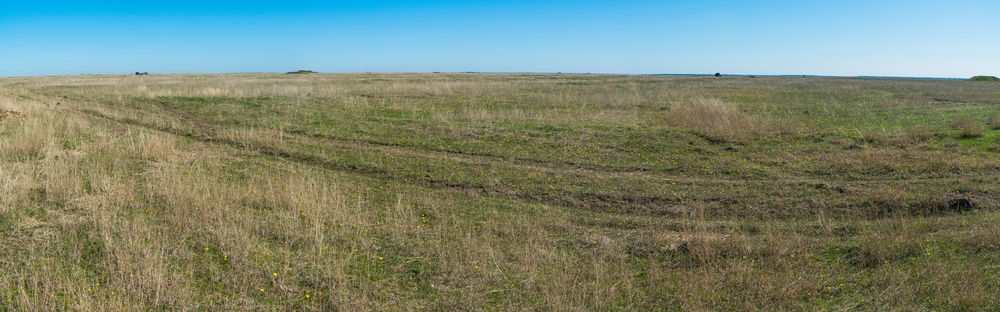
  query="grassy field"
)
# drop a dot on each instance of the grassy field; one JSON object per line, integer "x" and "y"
{"x": 498, "y": 192}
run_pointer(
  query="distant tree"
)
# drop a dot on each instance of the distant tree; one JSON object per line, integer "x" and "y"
{"x": 718, "y": 75}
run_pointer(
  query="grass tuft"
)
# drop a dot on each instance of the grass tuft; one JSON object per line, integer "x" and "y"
{"x": 993, "y": 121}
{"x": 969, "y": 127}
{"x": 713, "y": 116}
{"x": 918, "y": 134}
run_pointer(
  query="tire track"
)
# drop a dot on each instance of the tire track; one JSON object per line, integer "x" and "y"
{"x": 657, "y": 203}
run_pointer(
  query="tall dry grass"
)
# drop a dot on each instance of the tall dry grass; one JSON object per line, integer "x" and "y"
{"x": 102, "y": 214}
{"x": 715, "y": 117}
{"x": 970, "y": 128}
{"x": 109, "y": 216}
{"x": 993, "y": 121}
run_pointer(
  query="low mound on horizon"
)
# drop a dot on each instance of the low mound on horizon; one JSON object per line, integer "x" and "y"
{"x": 985, "y": 78}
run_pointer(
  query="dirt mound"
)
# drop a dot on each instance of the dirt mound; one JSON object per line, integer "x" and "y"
{"x": 4, "y": 114}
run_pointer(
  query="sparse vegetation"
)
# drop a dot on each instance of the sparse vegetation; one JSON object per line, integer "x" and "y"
{"x": 497, "y": 192}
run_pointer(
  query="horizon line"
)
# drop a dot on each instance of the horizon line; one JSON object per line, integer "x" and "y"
{"x": 522, "y": 73}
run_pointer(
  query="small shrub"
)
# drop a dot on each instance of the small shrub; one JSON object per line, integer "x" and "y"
{"x": 994, "y": 121}
{"x": 970, "y": 128}
{"x": 874, "y": 137}
{"x": 918, "y": 134}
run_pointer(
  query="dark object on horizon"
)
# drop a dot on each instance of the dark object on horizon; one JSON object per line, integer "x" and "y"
{"x": 984, "y": 78}
{"x": 302, "y": 71}
{"x": 718, "y": 75}
{"x": 141, "y": 73}
{"x": 753, "y": 76}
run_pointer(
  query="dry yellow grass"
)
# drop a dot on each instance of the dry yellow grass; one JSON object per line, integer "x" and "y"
{"x": 129, "y": 218}
{"x": 969, "y": 127}
{"x": 719, "y": 119}
{"x": 107, "y": 205}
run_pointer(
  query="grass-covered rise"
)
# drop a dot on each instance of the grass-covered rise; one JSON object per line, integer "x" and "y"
{"x": 985, "y": 78}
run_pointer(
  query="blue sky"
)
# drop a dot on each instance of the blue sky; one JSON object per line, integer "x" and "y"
{"x": 958, "y": 38}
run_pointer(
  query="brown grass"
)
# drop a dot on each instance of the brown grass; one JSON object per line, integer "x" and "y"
{"x": 970, "y": 128}
{"x": 993, "y": 121}
{"x": 875, "y": 137}
{"x": 713, "y": 116}
{"x": 918, "y": 134}
{"x": 4, "y": 114}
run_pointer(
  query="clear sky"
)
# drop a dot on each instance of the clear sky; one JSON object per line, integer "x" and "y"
{"x": 953, "y": 38}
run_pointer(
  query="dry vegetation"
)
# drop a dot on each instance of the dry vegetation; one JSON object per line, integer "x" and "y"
{"x": 970, "y": 127}
{"x": 994, "y": 121}
{"x": 714, "y": 117}
{"x": 497, "y": 192}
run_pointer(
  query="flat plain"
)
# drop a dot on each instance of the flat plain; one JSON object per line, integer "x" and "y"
{"x": 498, "y": 192}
